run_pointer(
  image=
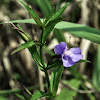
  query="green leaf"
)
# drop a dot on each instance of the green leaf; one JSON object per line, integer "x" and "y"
{"x": 58, "y": 13}
{"x": 74, "y": 71}
{"x": 24, "y": 36}
{"x": 32, "y": 48}
{"x": 46, "y": 32}
{"x": 83, "y": 61}
{"x": 31, "y": 21}
{"x": 27, "y": 36}
{"x": 59, "y": 35}
{"x": 38, "y": 94}
{"x": 54, "y": 64}
{"x": 45, "y": 7}
{"x": 3, "y": 98}
{"x": 57, "y": 79}
{"x": 33, "y": 14}
{"x": 80, "y": 31}
{"x": 67, "y": 94}
{"x": 46, "y": 49}
{"x": 36, "y": 56}
{"x": 49, "y": 27}
{"x": 53, "y": 75}
{"x": 20, "y": 96}
{"x": 54, "y": 22}
{"x": 96, "y": 71}
{"x": 25, "y": 45}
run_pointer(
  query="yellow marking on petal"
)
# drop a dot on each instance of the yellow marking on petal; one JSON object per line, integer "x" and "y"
{"x": 67, "y": 53}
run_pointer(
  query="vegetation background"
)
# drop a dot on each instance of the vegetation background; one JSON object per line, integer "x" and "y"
{"x": 19, "y": 70}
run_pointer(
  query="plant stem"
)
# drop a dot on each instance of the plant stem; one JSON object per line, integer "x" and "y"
{"x": 17, "y": 90}
{"x": 41, "y": 51}
{"x": 47, "y": 77}
{"x": 42, "y": 61}
{"x": 41, "y": 56}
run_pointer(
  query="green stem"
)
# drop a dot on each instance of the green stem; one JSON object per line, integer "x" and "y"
{"x": 17, "y": 90}
{"x": 42, "y": 61}
{"x": 41, "y": 56}
{"x": 41, "y": 51}
{"x": 47, "y": 77}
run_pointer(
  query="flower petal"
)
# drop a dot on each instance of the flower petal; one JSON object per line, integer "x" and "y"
{"x": 76, "y": 57}
{"x": 67, "y": 61}
{"x": 60, "y": 49}
{"x": 75, "y": 50}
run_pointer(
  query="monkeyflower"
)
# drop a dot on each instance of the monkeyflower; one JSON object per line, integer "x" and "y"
{"x": 68, "y": 57}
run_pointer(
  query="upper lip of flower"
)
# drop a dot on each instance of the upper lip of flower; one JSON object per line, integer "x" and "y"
{"x": 69, "y": 57}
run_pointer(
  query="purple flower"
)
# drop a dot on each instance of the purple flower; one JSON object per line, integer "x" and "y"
{"x": 69, "y": 57}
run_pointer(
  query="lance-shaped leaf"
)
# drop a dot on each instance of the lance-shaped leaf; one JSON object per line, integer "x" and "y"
{"x": 33, "y": 50}
{"x": 54, "y": 19}
{"x": 35, "y": 56}
{"x": 26, "y": 45}
{"x": 39, "y": 94}
{"x": 49, "y": 27}
{"x": 45, "y": 7}
{"x": 24, "y": 36}
{"x": 58, "y": 13}
{"x": 54, "y": 22}
{"x": 53, "y": 65}
{"x": 53, "y": 75}
{"x": 20, "y": 96}
{"x": 23, "y": 46}
{"x": 83, "y": 61}
{"x": 33, "y": 14}
{"x": 31, "y": 21}
{"x": 55, "y": 78}
{"x": 59, "y": 35}
{"x": 68, "y": 91}
{"x": 80, "y": 31}
{"x": 96, "y": 71}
